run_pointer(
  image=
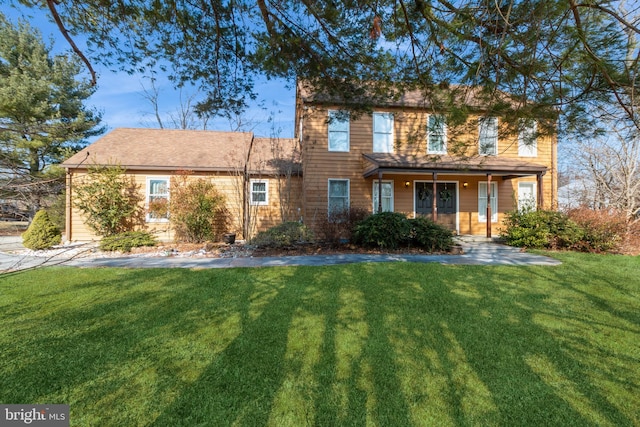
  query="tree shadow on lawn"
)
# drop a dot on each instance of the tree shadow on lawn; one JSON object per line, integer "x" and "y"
{"x": 388, "y": 344}
{"x": 424, "y": 350}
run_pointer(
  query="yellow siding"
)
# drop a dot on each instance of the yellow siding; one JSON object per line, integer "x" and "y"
{"x": 284, "y": 203}
{"x": 320, "y": 165}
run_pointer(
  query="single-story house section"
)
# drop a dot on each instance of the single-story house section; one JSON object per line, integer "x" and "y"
{"x": 266, "y": 172}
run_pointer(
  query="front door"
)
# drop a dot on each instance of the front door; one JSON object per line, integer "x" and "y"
{"x": 446, "y": 202}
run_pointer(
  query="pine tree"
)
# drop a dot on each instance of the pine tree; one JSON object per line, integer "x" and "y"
{"x": 43, "y": 119}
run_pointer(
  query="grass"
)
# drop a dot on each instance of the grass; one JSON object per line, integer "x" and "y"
{"x": 370, "y": 344}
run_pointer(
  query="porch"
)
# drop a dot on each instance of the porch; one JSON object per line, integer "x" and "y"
{"x": 436, "y": 184}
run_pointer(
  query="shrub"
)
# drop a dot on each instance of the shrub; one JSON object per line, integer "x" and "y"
{"x": 428, "y": 235}
{"x": 283, "y": 235}
{"x": 197, "y": 210}
{"x": 603, "y": 230}
{"x": 42, "y": 233}
{"x": 109, "y": 200}
{"x": 388, "y": 230}
{"x": 340, "y": 226}
{"x": 541, "y": 229}
{"x": 124, "y": 242}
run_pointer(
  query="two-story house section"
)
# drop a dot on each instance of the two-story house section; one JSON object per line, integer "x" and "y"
{"x": 405, "y": 157}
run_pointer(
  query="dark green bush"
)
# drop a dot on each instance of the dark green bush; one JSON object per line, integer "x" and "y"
{"x": 283, "y": 235}
{"x": 42, "y": 233}
{"x": 124, "y": 242}
{"x": 428, "y": 235}
{"x": 541, "y": 229}
{"x": 388, "y": 230}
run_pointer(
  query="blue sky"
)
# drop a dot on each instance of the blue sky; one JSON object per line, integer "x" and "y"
{"x": 119, "y": 95}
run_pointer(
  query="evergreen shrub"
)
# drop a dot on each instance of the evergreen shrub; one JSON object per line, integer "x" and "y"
{"x": 386, "y": 230}
{"x": 283, "y": 235}
{"x": 42, "y": 233}
{"x": 124, "y": 242}
{"x": 428, "y": 235}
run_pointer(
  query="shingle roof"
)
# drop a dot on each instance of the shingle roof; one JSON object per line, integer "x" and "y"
{"x": 170, "y": 149}
{"x": 466, "y": 95}
{"x": 394, "y": 163}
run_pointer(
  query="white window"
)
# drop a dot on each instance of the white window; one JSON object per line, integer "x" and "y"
{"x": 436, "y": 135}
{"x": 482, "y": 202}
{"x": 259, "y": 192}
{"x": 527, "y": 197}
{"x": 382, "y": 133}
{"x": 387, "y": 196}
{"x": 157, "y": 199}
{"x": 488, "y": 136}
{"x": 338, "y": 130}
{"x": 527, "y": 138}
{"x": 338, "y": 196}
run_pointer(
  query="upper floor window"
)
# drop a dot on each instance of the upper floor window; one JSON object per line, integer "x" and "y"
{"x": 338, "y": 130}
{"x": 387, "y": 196}
{"x": 382, "y": 133}
{"x": 436, "y": 135}
{"x": 488, "y": 136}
{"x": 157, "y": 199}
{"x": 527, "y": 138}
{"x": 338, "y": 196}
{"x": 259, "y": 192}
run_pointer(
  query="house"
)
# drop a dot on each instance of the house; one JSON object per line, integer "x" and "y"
{"x": 268, "y": 168}
{"x": 402, "y": 157}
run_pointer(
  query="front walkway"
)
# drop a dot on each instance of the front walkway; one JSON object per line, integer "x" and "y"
{"x": 475, "y": 252}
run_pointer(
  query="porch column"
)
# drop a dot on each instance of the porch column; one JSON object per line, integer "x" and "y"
{"x": 379, "y": 191}
{"x": 434, "y": 198}
{"x": 539, "y": 185}
{"x": 488, "y": 205}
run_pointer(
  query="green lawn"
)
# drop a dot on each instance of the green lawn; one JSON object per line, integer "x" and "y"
{"x": 369, "y": 344}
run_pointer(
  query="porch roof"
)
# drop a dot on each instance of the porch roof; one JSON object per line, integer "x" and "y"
{"x": 478, "y": 165}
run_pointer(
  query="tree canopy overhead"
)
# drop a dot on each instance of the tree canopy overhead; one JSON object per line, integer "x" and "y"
{"x": 560, "y": 54}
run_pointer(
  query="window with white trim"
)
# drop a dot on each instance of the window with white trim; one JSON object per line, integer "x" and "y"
{"x": 338, "y": 130}
{"x": 157, "y": 199}
{"x": 382, "y": 133}
{"x": 527, "y": 196}
{"x": 259, "y": 194}
{"x": 338, "y": 196}
{"x": 527, "y": 138}
{"x": 387, "y": 196}
{"x": 436, "y": 135}
{"x": 488, "y": 136}
{"x": 482, "y": 202}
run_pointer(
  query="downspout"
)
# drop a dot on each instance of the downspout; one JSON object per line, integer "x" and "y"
{"x": 67, "y": 220}
{"x": 246, "y": 216}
